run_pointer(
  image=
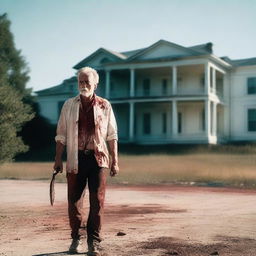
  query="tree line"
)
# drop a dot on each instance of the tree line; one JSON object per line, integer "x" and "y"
{"x": 21, "y": 126}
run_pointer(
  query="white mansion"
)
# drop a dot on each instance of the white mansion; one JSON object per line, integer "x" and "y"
{"x": 167, "y": 93}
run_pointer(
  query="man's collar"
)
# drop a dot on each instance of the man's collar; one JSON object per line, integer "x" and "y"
{"x": 77, "y": 98}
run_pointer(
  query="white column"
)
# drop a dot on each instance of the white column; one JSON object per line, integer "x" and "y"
{"x": 226, "y": 86}
{"x": 207, "y": 107}
{"x": 174, "y": 80}
{"x": 107, "y": 92}
{"x": 207, "y": 78}
{"x": 214, "y": 119}
{"x": 174, "y": 118}
{"x": 225, "y": 120}
{"x": 214, "y": 80}
{"x": 132, "y": 82}
{"x": 131, "y": 121}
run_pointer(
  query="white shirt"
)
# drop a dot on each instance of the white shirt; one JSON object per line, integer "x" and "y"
{"x": 105, "y": 130}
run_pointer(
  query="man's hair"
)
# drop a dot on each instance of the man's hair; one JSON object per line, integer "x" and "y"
{"x": 88, "y": 71}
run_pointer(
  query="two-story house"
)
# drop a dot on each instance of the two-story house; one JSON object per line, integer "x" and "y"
{"x": 167, "y": 93}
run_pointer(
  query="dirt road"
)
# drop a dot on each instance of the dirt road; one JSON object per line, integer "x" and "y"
{"x": 157, "y": 221}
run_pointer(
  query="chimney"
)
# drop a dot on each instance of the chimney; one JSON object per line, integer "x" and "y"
{"x": 208, "y": 47}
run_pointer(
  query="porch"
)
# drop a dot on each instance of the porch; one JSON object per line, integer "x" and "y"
{"x": 196, "y": 79}
{"x": 200, "y": 121}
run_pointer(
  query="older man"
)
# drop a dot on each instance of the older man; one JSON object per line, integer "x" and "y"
{"x": 86, "y": 123}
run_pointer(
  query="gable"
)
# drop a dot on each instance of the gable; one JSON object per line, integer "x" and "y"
{"x": 164, "y": 50}
{"x": 98, "y": 60}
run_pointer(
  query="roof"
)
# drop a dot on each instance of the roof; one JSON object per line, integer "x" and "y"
{"x": 115, "y": 55}
{"x": 131, "y": 53}
{"x": 134, "y": 55}
{"x": 66, "y": 87}
{"x": 162, "y": 42}
{"x": 240, "y": 62}
{"x": 245, "y": 62}
{"x": 118, "y": 54}
{"x": 127, "y": 56}
{"x": 203, "y": 48}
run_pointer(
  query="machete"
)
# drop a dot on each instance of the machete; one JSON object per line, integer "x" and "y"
{"x": 52, "y": 191}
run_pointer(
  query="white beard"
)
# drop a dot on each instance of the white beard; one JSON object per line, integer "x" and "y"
{"x": 86, "y": 93}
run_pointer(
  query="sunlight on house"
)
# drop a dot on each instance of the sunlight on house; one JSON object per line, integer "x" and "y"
{"x": 168, "y": 93}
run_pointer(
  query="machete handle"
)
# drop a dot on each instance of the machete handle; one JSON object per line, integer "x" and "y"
{"x": 56, "y": 171}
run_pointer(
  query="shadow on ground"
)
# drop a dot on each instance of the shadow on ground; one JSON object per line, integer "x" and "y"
{"x": 52, "y": 253}
{"x": 225, "y": 246}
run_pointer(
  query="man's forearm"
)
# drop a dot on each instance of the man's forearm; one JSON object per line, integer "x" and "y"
{"x": 113, "y": 148}
{"x": 59, "y": 150}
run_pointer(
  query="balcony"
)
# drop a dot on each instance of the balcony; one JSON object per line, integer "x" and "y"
{"x": 155, "y": 91}
{"x": 190, "y": 91}
{"x": 122, "y": 93}
{"x": 190, "y": 81}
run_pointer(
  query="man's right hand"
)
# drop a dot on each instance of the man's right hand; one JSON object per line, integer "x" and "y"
{"x": 58, "y": 165}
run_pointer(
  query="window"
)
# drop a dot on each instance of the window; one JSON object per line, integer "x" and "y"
{"x": 203, "y": 120}
{"x": 164, "y": 86}
{"x": 146, "y": 87}
{"x": 135, "y": 123}
{"x": 219, "y": 86}
{"x": 179, "y": 122}
{"x": 60, "y": 104}
{"x": 164, "y": 122}
{"x": 146, "y": 123}
{"x": 251, "y": 85}
{"x": 252, "y": 120}
{"x": 112, "y": 86}
{"x": 202, "y": 81}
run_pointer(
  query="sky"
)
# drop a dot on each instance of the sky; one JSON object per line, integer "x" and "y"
{"x": 53, "y": 36}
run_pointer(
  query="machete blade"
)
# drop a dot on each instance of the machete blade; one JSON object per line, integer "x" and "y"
{"x": 52, "y": 190}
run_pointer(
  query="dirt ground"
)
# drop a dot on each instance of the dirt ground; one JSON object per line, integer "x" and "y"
{"x": 155, "y": 220}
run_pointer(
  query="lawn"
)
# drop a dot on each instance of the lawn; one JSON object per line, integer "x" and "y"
{"x": 212, "y": 169}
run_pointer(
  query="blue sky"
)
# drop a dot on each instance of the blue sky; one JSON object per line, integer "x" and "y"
{"x": 55, "y": 35}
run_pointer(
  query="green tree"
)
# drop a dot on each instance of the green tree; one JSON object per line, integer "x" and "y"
{"x": 13, "y": 68}
{"x": 13, "y": 114}
{"x": 13, "y": 93}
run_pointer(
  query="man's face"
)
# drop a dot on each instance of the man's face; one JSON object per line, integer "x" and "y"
{"x": 86, "y": 85}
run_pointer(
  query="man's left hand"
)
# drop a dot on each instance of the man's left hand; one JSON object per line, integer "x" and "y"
{"x": 114, "y": 170}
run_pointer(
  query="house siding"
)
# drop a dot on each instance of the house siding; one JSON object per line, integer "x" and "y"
{"x": 241, "y": 102}
{"x": 197, "y": 98}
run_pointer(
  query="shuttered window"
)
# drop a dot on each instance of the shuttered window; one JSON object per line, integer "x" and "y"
{"x": 179, "y": 122}
{"x": 251, "y": 85}
{"x": 146, "y": 87}
{"x": 203, "y": 120}
{"x": 146, "y": 123}
{"x": 164, "y": 86}
{"x": 164, "y": 120}
{"x": 252, "y": 120}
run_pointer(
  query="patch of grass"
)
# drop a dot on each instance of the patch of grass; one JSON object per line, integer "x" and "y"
{"x": 213, "y": 169}
{"x": 184, "y": 149}
{"x": 26, "y": 170}
{"x": 225, "y": 169}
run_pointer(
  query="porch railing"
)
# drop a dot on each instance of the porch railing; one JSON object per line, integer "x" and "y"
{"x": 190, "y": 91}
{"x": 139, "y": 92}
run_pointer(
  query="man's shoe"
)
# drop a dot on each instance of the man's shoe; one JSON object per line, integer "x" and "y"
{"x": 76, "y": 246}
{"x": 94, "y": 248}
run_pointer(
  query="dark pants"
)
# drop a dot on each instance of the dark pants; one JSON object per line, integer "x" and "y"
{"x": 88, "y": 171}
